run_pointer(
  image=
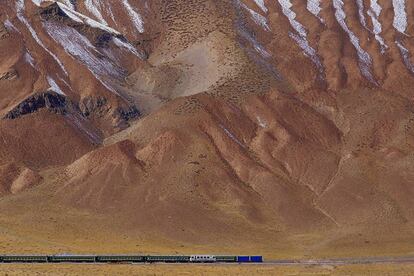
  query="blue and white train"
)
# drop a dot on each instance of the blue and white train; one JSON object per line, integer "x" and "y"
{"x": 129, "y": 259}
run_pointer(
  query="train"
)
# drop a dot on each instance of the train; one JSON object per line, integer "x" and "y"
{"x": 128, "y": 259}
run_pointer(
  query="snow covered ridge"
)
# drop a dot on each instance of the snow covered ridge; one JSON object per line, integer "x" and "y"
{"x": 258, "y": 18}
{"x": 123, "y": 43}
{"x": 135, "y": 16}
{"x": 102, "y": 63}
{"x": 54, "y": 86}
{"x": 29, "y": 59}
{"x": 261, "y": 5}
{"x": 69, "y": 4}
{"x": 406, "y": 56}
{"x": 94, "y": 7}
{"x": 401, "y": 24}
{"x": 374, "y": 12}
{"x": 20, "y": 8}
{"x": 361, "y": 14}
{"x": 301, "y": 34}
{"x": 400, "y": 16}
{"x": 314, "y": 6}
{"x": 9, "y": 26}
{"x": 80, "y": 48}
{"x": 78, "y": 17}
{"x": 291, "y": 15}
{"x": 248, "y": 35}
{"x": 365, "y": 61}
{"x": 117, "y": 37}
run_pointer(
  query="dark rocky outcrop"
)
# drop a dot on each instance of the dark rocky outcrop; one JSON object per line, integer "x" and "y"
{"x": 93, "y": 105}
{"x": 3, "y": 32}
{"x": 103, "y": 40}
{"x": 100, "y": 107}
{"x": 123, "y": 116}
{"x": 146, "y": 43}
{"x": 99, "y": 37}
{"x": 53, "y": 11}
{"x": 129, "y": 113}
{"x": 54, "y": 102}
{"x": 9, "y": 75}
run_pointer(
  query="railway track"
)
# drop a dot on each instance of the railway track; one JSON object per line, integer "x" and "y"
{"x": 344, "y": 261}
{"x": 206, "y": 259}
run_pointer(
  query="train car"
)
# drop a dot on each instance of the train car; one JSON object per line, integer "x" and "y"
{"x": 167, "y": 259}
{"x": 249, "y": 259}
{"x": 72, "y": 259}
{"x": 203, "y": 259}
{"x": 226, "y": 259}
{"x": 256, "y": 259}
{"x": 120, "y": 259}
{"x": 243, "y": 259}
{"x": 23, "y": 259}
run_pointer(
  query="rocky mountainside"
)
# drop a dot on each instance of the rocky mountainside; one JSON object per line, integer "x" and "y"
{"x": 196, "y": 121}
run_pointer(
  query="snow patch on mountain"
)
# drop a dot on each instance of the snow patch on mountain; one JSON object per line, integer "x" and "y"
{"x": 365, "y": 61}
{"x": 300, "y": 37}
{"x": 78, "y": 17}
{"x": 405, "y": 56}
{"x": 400, "y": 23}
{"x": 135, "y": 16}
{"x": 54, "y": 86}
{"x": 9, "y": 26}
{"x": 308, "y": 50}
{"x": 81, "y": 124}
{"x": 124, "y": 44}
{"x": 400, "y": 16}
{"x": 259, "y": 48}
{"x": 361, "y": 13}
{"x": 94, "y": 7}
{"x": 261, "y": 122}
{"x": 261, "y": 5}
{"x": 72, "y": 15}
{"x": 80, "y": 48}
{"x": 258, "y": 18}
{"x": 29, "y": 59}
{"x": 314, "y": 6}
{"x": 248, "y": 35}
{"x": 38, "y": 2}
{"x": 20, "y": 9}
{"x": 374, "y": 12}
{"x": 69, "y": 4}
{"x": 232, "y": 136}
{"x": 111, "y": 14}
{"x": 291, "y": 15}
